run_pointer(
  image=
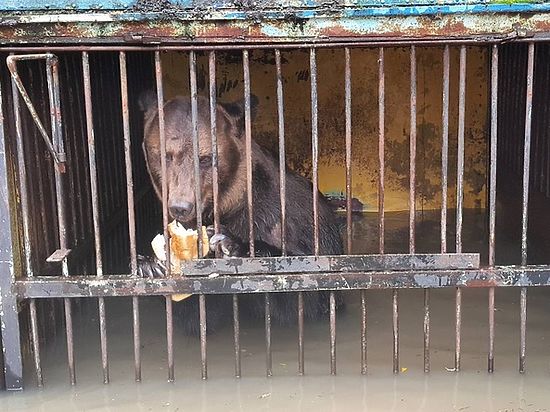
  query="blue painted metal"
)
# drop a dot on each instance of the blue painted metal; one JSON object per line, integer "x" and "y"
{"x": 228, "y": 9}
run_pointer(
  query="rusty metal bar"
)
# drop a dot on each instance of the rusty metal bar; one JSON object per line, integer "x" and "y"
{"x": 395, "y": 324}
{"x": 164, "y": 190}
{"x": 349, "y": 228}
{"x": 24, "y": 202}
{"x": 248, "y": 149}
{"x": 268, "y": 356}
{"x": 381, "y": 126}
{"x": 313, "y": 264}
{"x": 131, "y": 209}
{"x": 460, "y": 195}
{"x": 198, "y": 200}
{"x": 412, "y": 154}
{"x": 363, "y": 332}
{"x": 332, "y": 305}
{"x": 314, "y": 147}
{"x": 269, "y": 44}
{"x": 124, "y": 285}
{"x": 202, "y": 322}
{"x": 195, "y": 140}
{"x": 301, "y": 366}
{"x": 214, "y": 136}
{"x": 11, "y": 61}
{"x": 12, "y": 362}
{"x": 57, "y": 141}
{"x": 237, "y": 336}
{"x": 445, "y": 147}
{"x": 282, "y": 162}
{"x": 95, "y": 209}
{"x": 426, "y": 330}
{"x": 525, "y": 198}
{"x": 493, "y": 200}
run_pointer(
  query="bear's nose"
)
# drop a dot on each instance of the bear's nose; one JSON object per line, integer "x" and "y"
{"x": 181, "y": 210}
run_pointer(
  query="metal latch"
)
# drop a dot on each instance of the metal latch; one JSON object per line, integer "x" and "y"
{"x": 55, "y": 143}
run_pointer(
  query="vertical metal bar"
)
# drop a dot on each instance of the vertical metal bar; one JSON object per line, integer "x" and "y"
{"x": 332, "y": 299}
{"x": 492, "y": 200}
{"x": 248, "y": 147}
{"x": 282, "y": 163}
{"x": 363, "y": 332}
{"x": 95, "y": 209}
{"x": 198, "y": 200}
{"x": 301, "y": 367}
{"x": 445, "y": 148}
{"x": 213, "y": 135}
{"x": 460, "y": 195}
{"x": 268, "y": 359}
{"x": 11, "y": 340}
{"x": 237, "y": 335}
{"x": 24, "y": 201}
{"x": 55, "y": 114}
{"x": 314, "y": 147}
{"x": 412, "y": 155}
{"x": 349, "y": 228}
{"x": 426, "y": 330}
{"x": 131, "y": 209}
{"x": 395, "y": 307}
{"x": 164, "y": 190}
{"x": 381, "y": 121}
{"x": 525, "y": 199}
{"x": 202, "y": 320}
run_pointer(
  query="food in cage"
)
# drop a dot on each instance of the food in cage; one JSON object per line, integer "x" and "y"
{"x": 183, "y": 246}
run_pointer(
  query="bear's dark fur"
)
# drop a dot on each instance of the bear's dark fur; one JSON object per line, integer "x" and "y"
{"x": 232, "y": 204}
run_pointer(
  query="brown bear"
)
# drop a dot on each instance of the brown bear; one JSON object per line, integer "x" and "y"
{"x": 232, "y": 204}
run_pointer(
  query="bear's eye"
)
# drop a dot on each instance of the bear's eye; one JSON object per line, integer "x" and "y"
{"x": 205, "y": 161}
{"x": 169, "y": 157}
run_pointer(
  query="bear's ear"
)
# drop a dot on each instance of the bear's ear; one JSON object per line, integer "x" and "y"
{"x": 235, "y": 112}
{"x": 147, "y": 100}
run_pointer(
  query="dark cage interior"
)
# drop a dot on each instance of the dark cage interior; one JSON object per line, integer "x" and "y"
{"x": 33, "y": 169}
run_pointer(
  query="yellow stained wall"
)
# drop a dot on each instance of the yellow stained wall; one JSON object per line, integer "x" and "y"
{"x": 364, "y": 69}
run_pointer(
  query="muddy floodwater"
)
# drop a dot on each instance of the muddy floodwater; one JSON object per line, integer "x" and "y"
{"x": 472, "y": 389}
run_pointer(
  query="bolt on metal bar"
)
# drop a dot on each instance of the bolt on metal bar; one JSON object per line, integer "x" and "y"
{"x": 95, "y": 209}
{"x": 164, "y": 191}
{"x": 525, "y": 198}
{"x": 349, "y": 228}
{"x": 131, "y": 210}
{"x": 24, "y": 202}
{"x": 198, "y": 200}
{"x": 460, "y": 196}
{"x": 492, "y": 200}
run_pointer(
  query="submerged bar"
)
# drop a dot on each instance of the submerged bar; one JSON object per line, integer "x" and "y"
{"x": 493, "y": 200}
{"x": 363, "y": 332}
{"x": 95, "y": 208}
{"x": 332, "y": 305}
{"x": 164, "y": 190}
{"x": 525, "y": 198}
{"x": 237, "y": 336}
{"x": 460, "y": 195}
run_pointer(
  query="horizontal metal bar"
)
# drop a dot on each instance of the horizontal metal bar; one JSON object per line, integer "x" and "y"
{"x": 126, "y": 285}
{"x": 58, "y": 255}
{"x": 314, "y": 264}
